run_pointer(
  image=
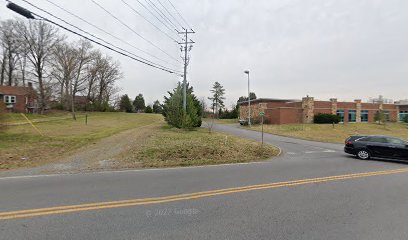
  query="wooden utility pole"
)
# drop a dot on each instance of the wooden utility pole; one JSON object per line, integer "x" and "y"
{"x": 186, "y": 49}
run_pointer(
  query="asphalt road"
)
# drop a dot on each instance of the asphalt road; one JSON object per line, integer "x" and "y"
{"x": 255, "y": 201}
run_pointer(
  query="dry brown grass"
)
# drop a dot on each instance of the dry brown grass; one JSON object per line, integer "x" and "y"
{"x": 326, "y": 132}
{"x": 22, "y": 146}
{"x": 168, "y": 147}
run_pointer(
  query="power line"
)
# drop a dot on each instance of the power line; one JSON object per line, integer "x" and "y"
{"x": 157, "y": 10}
{"x": 131, "y": 29}
{"x": 106, "y": 32}
{"x": 171, "y": 15}
{"x": 179, "y": 14}
{"x": 90, "y": 34}
{"x": 154, "y": 15}
{"x": 138, "y": 13}
{"x": 23, "y": 11}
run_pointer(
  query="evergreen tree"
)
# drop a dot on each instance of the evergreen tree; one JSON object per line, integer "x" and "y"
{"x": 157, "y": 107}
{"x": 217, "y": 97}
{"x": 173, "y": 108}
{"x": 148, "y": 109}
{"x": 125, "y": 104}
{"x": 139, "y": 103}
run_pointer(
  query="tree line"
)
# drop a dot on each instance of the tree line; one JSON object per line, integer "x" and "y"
{"x": 138, "y": 105}
{"x": 61, "y": 70}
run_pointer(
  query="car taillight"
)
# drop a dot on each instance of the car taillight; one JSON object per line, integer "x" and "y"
{"x": 348, "y": 142}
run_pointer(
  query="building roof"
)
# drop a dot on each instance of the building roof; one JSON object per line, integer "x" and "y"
{"x": 13, "y": 90}
{"x": 402, "y": 103}
{"x": 269, "y": 100}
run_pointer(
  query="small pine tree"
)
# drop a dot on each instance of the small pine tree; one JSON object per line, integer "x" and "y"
{"x": 125, "y": 105}
{"x": 173, "y": 111}
{"x": 157, "y": 107}
{"x": 139, "y": 103}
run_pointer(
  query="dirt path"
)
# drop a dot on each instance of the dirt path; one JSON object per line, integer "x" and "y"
{"x": 102, "y": 155}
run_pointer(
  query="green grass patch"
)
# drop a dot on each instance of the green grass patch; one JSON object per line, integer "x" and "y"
{"x": 169, "y": 147}
{"x": 23, "y": 146}
{"x": 326, "y": 132}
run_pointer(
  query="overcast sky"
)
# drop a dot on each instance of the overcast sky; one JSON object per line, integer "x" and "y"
{"x": 323, "y": 48}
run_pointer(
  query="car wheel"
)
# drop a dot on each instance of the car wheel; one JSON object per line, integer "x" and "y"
{"x": 363, "y": 154}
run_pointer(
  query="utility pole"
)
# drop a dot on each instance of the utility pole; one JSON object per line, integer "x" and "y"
{"x": 186, "y": 62}
{"x": 249, "y": 100}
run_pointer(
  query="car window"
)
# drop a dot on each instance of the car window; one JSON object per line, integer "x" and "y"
{"x": 396, "y": 141}
{"x": 373, "y": 139}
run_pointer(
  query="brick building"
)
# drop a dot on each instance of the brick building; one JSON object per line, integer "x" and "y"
{"x": 287, "y": 111}
{"x": 19, "y": 99}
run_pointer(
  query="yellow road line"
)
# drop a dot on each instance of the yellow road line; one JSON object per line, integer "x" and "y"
{"x": 180, "y": 197}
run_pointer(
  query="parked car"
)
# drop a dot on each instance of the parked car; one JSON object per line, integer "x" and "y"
{"x": 243, "y": 122}
{"x": 365, "y": 147}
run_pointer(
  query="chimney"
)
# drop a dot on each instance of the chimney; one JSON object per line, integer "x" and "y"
{"x": 30, "y": 85}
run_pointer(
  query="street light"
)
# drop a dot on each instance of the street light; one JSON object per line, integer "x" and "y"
{"x": 249, "y": 100}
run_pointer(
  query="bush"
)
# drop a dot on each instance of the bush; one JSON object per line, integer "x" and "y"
{"x": 148, "y": 109}
{"x": 322, "y": 118}
{"x": 379, "y": 117}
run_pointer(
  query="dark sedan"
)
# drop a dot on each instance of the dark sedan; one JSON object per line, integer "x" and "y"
{"x": 365, "y": 147}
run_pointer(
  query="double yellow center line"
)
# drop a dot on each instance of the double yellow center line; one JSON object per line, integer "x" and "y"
{"x": 181, "y": 197}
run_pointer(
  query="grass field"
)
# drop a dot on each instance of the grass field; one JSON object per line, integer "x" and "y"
{"x": 326, "y": 132}
{"x": 17, "y": 118}
{"x": 154, "y": 145}
{"x": 23, "y": 146}
{"x": 169, "y": 147}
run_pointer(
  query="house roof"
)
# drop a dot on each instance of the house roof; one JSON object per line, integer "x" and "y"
{"x": 13, "y": 90}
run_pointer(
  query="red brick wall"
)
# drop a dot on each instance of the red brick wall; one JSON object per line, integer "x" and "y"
{"x": 403, "y": 108}
{"x": 273, "y": 115}
{"x": 370, "y": 106}
{"x": 346, "y": 105}
{"x": 322, "y": 104}
{"x": 276, "y": 104}
{"x": 290, "y": 115}
{"x": 20, "y": 105}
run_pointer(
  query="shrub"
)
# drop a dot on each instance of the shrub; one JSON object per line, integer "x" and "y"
{"x": 148, "y": 109}
{"x": 379, "y": 117}
{"x": 322, "y": 118}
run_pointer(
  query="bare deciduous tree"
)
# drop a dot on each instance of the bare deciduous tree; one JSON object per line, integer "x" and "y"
{"x": 40, "y": 39}
{"x": 10, "y": 45}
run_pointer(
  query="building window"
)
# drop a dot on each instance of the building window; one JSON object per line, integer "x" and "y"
{"x": 364, "y": 115}
{"x": 352, "y": 115}
{"x": 387, "y": 116}
{"x": 9, "y": 99}
{"x": 403, "y": 115}
{"x": 340, "y": 113}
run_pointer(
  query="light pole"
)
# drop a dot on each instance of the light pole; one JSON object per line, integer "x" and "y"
{"x": 249, "y": 100}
